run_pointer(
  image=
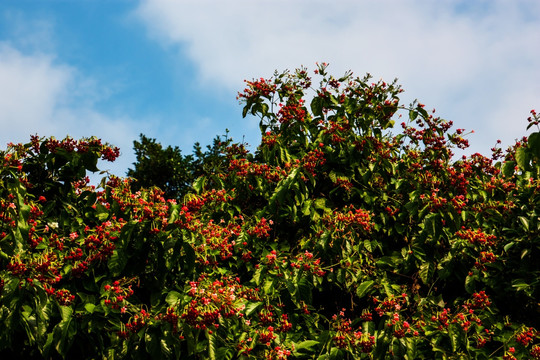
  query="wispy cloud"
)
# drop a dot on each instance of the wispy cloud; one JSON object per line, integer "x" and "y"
{"x": 477, "y": 64}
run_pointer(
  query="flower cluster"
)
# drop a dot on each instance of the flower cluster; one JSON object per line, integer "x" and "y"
{"x": 219, "y": 240}
{"x": 476, "y": 237}
{"x": 336, "y": 130}
{"x": 63, "y": 296}
{"x": 483, "y": 243}
{"x": 256, "y": 88}
{"x": 244, "y": 168}
{"x": 170, "y": 317}
{"x": 277, "y": 353}
{"x": 307, "y": 262}
{"x": 390, "y": 304}
{"x": 269, "y": 139}
{"x": 292, "y": 111}
{"x": 118, "y": 292}
{"x": 526, "y": 336}
{"x": 350, "y": 219}
{"x": 212, "y": 300}
{"x": 344, "y": 184}
{"x": 261, "y": 229}
{"x": 346, "y": 337}
{"x": 312, "y": 160}
{"x": 138, "y": 321}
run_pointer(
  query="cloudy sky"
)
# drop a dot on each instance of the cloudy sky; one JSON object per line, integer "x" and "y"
{"x": 171, "y": 69}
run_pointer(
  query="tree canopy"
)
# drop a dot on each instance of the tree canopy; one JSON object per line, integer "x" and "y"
{"x": 343, "y": 236}
{"x": 171, "y": 171}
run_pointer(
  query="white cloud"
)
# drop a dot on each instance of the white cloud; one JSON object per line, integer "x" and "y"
{"x": 31, "y": 89}
{"x": 40, "y": 96}
{"x": 477, "y": 64}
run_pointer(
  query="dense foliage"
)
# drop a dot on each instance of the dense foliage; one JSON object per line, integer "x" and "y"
{"x": 171, "y": 171}
{"x": 340, "y": 237}
{"x": 165, "y": 168}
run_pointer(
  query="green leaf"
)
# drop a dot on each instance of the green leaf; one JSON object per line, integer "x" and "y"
{"x": 422, "y": 112}
{"x": 198, "y": 185}
{"x": 522, "y": 158}
{"x": 533, "y": 143}
{"x": 252, "y": 307}
{"x": 152, "y": 343}
{"x": 268, "y": 286}
{"x": 454, "y": 337}
{"x": 64, "y": 331}
{"x": 89, "y": 308}
{"x": 102, "y": 212}
{"x": 305, "y": 346}
{"x": 304, "y": 290}
{"x": 282, "y": 190}
{"x": 316, "y": 106}
{"x": 509, "y": 246}
{"x": 410, "y": 344}
{"x": 320, "y": 203}
{"x": 47, "y": 346}
{"x": 364, "y": 288}
{"x": 90, "y": 160}
{"x": 524, "y": 222}
{"x": 117, "y": 263}
{"x": 306, "y": 207}
{"x": 432, "y": 225}
{"x": 522, "y": 285}
{"x": 66, "y": 313}
{"x": 211, "y": 345}
{"x": 173, "y": 298}
{"x": 470, "y": 284}
{"x": 336, "y": 353}
{"x": 290, "y": 287}
{"x": 332, "y": 175}
{"x": 173, "y": 213}
{"x": 367, "y": 245}
{"x": 257, "y": 275}
{"x": 508, "y": 168}
{"x": 264, "y": 109}
{"x": 166, "y": 350}
{"x": 283, "y": 154}
{"x": 426, "y": 272}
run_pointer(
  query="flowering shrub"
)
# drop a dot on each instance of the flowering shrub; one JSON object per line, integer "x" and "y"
{"x": 340, "y": 237}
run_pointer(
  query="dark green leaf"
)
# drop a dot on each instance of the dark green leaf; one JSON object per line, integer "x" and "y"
{"x": 508, "y": 168}
{"x": 117, "y": 262}
{"x": 316, "y": 106}
{"x": 533, "y": 143}
{"x": 522, "y": 158}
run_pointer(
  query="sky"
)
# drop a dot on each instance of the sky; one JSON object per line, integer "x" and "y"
{"x": 171, "y": 69}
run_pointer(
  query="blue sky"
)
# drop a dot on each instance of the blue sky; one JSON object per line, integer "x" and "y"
{"x": 171, "y": 69}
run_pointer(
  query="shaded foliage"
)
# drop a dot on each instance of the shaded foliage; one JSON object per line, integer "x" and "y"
{"x": 171, "y": 171}
{"x": 166, "y": 167}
